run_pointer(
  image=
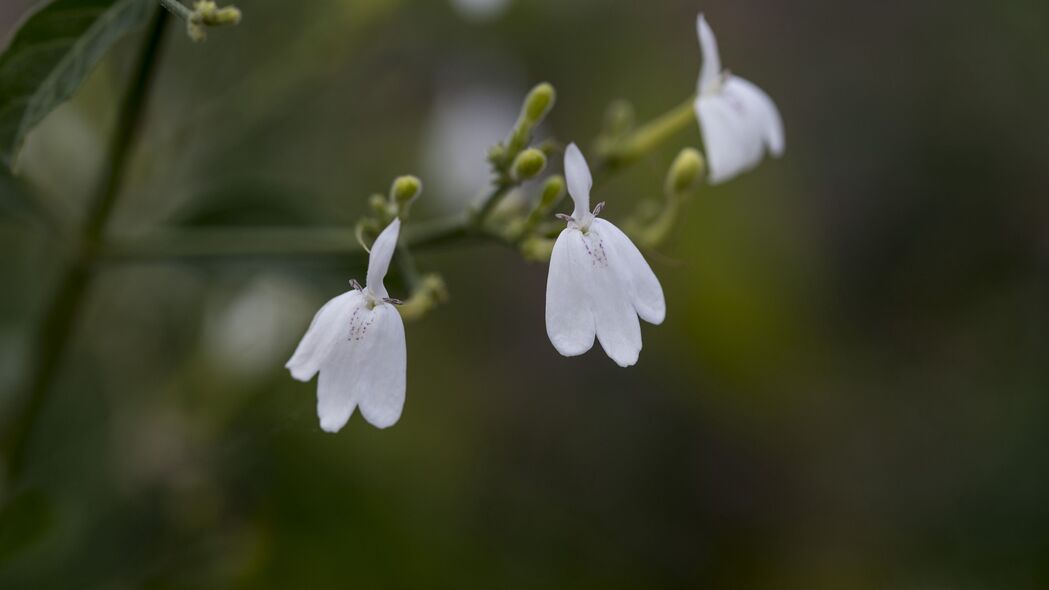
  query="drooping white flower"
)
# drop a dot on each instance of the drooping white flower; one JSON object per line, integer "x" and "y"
{"x": 599, "y": 283}
{"x": 737, "y": 119}
{"x": 356, "y": 342}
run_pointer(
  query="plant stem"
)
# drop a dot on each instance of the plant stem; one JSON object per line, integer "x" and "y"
{"x": 269, "y": 242}
{"x": 178, "y": 9}
{"x": 646, "y": 138}
{"x": 60, "y": 316}
{"x": 236, "y": 242}
{"x": 489, "y": 204}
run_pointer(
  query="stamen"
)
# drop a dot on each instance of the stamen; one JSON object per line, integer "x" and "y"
{"x": 356, "y": 286}
{"x": 564, "y": 217}
{"x": 599, "y": 207}
{"x": 392, "y": 301}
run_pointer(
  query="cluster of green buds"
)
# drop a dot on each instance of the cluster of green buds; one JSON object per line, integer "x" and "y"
{"x": 513, "y": 161}
{"x": 385, "y": 208}
{"x": 426, "y": 291}
{"x": 208, "y": 14}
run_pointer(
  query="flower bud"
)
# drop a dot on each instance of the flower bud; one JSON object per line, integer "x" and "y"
{"x": 553, "y": 190}
{"x": 538, "y": 103}
{"x": 207, "y": 14}
{"x": 619, "y": 118}
{"x": 377, "y": 203}
{"x": 685, "y": 171}
{"x": 528, "y": 164}
{"x": 404, "y": 189}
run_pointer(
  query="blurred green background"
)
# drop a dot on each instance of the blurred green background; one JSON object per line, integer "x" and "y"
{"x": 851, "y": 389}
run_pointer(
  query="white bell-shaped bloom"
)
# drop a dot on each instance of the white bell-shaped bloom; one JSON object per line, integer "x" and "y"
{"x": 737, "y": 119}
{"x": 599, "y": 282}
{"x": 356, "y": 342}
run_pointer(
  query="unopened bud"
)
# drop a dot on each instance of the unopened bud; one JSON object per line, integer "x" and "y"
{"x": 685, "y": 171}
{"x": 207, "y": 14}
{"x": 378, "y": 203}
{"x": 539, "y": 102}
{"x": 528, "y": 164}
{"x": 496, "y": 153}
{"x": 619, "y": 118}
{"x": 553, "y": 190}
{"x": 404, "y": 189}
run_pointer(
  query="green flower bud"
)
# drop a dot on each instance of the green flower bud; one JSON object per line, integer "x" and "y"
{"x": 685, "y": 171}
{"x": 377, "y": 203}
{"x": 553, "y": 190}
{"x": 404, "y": 189}
{"x": 207, "y": 14}
{"x": 619, "y": 118}
{"x": 538, "y": 103}
{"x": 528, "y": 164}
{"x": 497, "y": 153}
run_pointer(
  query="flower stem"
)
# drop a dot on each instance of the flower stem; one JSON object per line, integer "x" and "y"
{"x": 60, "y": 316}
{"x": 270, "y": 242}
{"x": 236, "y": 242}
{"x": 648, "y": 137}
{"x": 178, "y": 9}
{"x": 480, "y": 215}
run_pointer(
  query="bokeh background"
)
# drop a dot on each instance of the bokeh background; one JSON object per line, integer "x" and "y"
{"x": 851, "y": 389}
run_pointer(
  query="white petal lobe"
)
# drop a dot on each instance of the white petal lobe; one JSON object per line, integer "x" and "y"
{"x": 379, "y": 259}
{"x": 634, "y": 272}
{"x": 737, "y": 124}
{"x": 577, "y": 176}
{"x": 711, "y": 69}
{"x": 764, "y": 110}
{"x": 366, "y": 368}
{"x": 322, "y": 335}
{"x": 569, "y": 322}
{"x": 384, "y": 380}
{"x": 618, "y": 329}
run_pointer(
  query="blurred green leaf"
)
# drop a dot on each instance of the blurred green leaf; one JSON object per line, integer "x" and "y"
{"x": 249, "y": 204}
{"x": 50, "y": 55}
{"x": 24, "y": 519}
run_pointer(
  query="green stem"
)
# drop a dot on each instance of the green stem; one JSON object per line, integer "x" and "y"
{"x": 178, "y": 9}
{"x": 234, "y": 242}
{"x": 60, "y": 316}
{"x": 405, "y": 263}
{"x": 269, "y": 242}
{"x": 490, "y": 202}
{"x": 646, "y": 138}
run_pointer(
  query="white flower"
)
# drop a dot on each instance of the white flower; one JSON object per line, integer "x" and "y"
{"x": 599, "y": 283}
{"x": 356, "y": 342}
{"x": 737, "y": 119}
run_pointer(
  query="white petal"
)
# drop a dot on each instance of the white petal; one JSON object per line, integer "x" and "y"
{"x": 737, "y": 124}
{"x": 322, "y": 335}
{"x": 367, "y": 368}
{"x": 569, "y": 323}
{"x": 759, "y": 103}
{"x": 711, "y": 69}
{"x": 634, "y": 271}
{"x": 379, "y": 259}
{"x": 385, "y": 379}
{"x": 577, "y": 176}
{"x": 610, "y": 300}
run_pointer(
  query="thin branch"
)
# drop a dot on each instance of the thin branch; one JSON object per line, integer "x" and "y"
{"x": 178, "y": 9}
{"x": 221, "y": 242}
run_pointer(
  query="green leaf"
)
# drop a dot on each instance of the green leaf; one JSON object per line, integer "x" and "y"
{"x": 24, "y": 520}
{"x": 50, "y": 55}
